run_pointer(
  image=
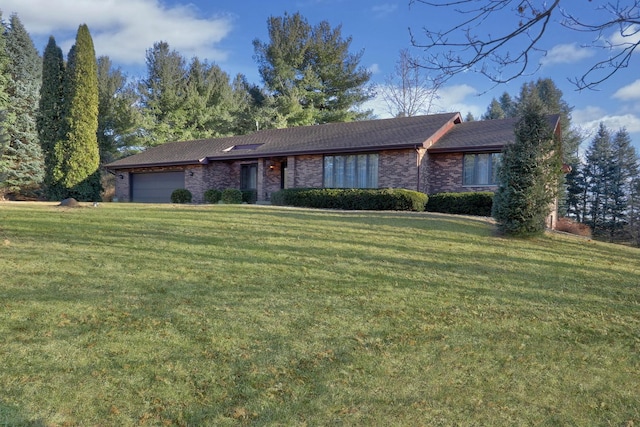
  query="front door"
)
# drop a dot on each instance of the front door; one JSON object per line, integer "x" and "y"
{"x": 249, "y": 177}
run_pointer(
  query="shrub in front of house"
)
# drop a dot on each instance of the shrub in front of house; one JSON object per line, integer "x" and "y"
{"x": 249, "y": 196}
{"x": 469, "y": 203}
{"x": 181, "y": 195}
{"x": 351, "y": 199}
{"x": 212, "y": 196}
{"x": 569, "y": 225}
{"x": 231, "y": 196}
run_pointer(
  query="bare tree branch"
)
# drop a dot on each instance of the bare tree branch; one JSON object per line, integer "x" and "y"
{"x": 502, "y": 39}
{"x": 408, "y": 91}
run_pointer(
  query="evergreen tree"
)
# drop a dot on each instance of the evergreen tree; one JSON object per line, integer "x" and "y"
{"x": 576, "y": 194}
{"x": 551, "y": 98}
{"x": 623, "y": 171}
{"x": 4, "y": 100}
{"x": 494, "y": 111}
{"x": 311, "y": 73}
{"x": 50, "y": 118}
{"x": 598, "y": 172}
{"x": 162, "y": 95}
{"x": 528, "y": 174}
{"x": 118, "y": 120}
{"x": 183, "y": 102}
{"x": 22, "y": 156}
{"x": 209, "y": 102}
{"x": 508, "y": 105}
{"x": 81, "y": 174}
{"x": 634, "y": 211}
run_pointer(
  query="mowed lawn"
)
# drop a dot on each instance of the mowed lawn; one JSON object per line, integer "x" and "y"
{"x": 129, "y": 314}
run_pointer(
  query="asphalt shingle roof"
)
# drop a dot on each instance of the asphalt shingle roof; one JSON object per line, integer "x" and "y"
{"x": 371, "y": 135}
{"x": 404, "y": 132}
{"x": 483, "y": 135}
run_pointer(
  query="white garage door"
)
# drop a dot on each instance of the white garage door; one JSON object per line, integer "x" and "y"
{"x": 155, "y": 187}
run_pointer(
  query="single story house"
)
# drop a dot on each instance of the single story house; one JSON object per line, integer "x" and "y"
{"x": 430, "y": 153}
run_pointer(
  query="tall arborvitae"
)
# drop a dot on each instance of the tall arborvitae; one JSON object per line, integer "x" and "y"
{"x": 50, "y": 117}
{"x": 528, "y": 174}
{"x": 23, "y": 157}
{"x": 81, "y": 177}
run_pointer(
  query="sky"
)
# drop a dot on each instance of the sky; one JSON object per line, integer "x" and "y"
{"x": 222, "y": 31}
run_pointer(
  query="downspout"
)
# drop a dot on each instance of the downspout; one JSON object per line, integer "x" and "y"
{"x": 418, "y": 167}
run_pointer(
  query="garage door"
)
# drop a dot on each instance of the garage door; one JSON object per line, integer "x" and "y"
{"x": 155, "y": 187}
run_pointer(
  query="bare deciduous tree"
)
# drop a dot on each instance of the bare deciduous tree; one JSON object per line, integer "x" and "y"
{"x": 409, "y": 91}
{"x": 500, "y": 38}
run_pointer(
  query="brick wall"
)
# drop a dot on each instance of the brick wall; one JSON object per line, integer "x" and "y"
{"x": 398, "y": 169}
{"x": 123, "y": 186}
{"x": 445, "y": 175}
{"x": 272, "y": 177}
{"x": 306, "y": 171}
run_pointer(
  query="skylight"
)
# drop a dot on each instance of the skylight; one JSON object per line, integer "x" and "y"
{"x": 242, "y": 147}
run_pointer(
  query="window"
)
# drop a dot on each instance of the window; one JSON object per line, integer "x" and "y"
{"x": 351, "y": 171}
{"x": 249, "y": 176}
{"x": 480, "y": 169}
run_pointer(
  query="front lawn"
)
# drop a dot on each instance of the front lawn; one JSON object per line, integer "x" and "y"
{"x": 132, "y": 314}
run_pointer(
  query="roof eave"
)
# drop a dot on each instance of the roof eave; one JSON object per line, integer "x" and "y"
{"x": 151, "y": 165}
{"x": 467, "y": 149}
{"x": 316, "y": 152}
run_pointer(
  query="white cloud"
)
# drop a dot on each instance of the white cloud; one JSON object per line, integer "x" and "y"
{"x": 589, "y": 118}
{"x": 384, "y": 9}
{"x": 628, "y": 92}
{"x": 456, "y": 98}
{"x": 456, "y": 93}
{"x": 566, "y": 54}
{"x": 374, "y": 69}
{"x": 125, "y": 29}
{"x": 628, "y": 36}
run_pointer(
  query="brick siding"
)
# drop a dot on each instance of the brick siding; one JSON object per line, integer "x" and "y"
{"x": 445, "y": 175}
{"x": 305, "y": 172}
{"x": 398, "y": 169}
{"x": 410, "y": 169}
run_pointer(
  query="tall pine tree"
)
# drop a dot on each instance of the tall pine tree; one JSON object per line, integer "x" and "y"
{"x": 118, "y": 119}
{"x": 311, "y": 73}
{"x": 528, "y": 174}
{"x": 598, "y": 172}
{"x": 81, "y": 174}
{"x": 22, "y": 156}
{"x": 162, "y": 95}
{"x": 624, "y": 169}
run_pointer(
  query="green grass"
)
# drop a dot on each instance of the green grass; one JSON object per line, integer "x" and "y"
{"x": 246, "y": 315}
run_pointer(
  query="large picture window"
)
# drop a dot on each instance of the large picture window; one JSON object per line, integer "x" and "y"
{"x": 351, "y": 171}
{"x": 480, "y": 169}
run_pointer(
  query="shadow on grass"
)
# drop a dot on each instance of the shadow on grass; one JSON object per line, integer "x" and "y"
{"x": 14, "y": 417}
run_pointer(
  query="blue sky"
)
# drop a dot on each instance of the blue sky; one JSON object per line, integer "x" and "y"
{"x": 222, "y": 32}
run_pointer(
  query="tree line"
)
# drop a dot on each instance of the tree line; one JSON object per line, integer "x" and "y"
{"x": 61, "y": 118}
